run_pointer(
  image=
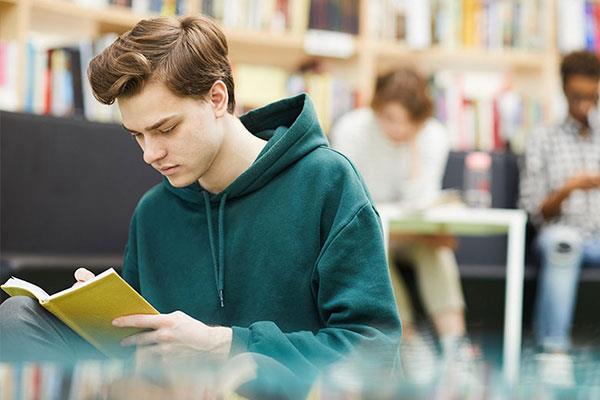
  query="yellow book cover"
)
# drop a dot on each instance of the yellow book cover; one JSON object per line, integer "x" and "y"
{"x": 90, "y": 308}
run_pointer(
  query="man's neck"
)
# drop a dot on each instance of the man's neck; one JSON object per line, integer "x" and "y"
{"x": 239, "y": 150}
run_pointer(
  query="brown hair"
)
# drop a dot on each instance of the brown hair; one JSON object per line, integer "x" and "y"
{"x": 407, "y": 87}
{"x": 188, "y": 54}
{"x": 580, "y": 63}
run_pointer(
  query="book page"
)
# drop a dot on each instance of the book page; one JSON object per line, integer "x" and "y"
{"x": 19, "y": 287}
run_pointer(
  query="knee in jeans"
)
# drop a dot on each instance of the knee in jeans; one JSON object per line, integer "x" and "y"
{"x": 563, "y": 253}
{"x": 15, "y": 310}
{"x": 560, "y": 244}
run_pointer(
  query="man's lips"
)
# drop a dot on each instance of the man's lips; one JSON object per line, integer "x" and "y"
{"x": 168, "y": 170}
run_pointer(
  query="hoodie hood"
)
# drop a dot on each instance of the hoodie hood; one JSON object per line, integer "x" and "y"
{"x": 292, "y": 131}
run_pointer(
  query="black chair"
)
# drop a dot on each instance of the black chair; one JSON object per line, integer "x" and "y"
{"x": 68, "y": 190}
{"x": 485, "y": 257}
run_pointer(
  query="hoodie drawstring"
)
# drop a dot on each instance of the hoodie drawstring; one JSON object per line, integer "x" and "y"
{"x": 218, "y": 255}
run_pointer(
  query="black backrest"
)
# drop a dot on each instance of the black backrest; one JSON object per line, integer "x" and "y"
{"x": 505, "y": 177}
{"x": 69, "y": 187}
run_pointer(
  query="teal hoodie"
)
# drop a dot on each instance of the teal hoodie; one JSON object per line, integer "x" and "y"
{"x": 290, "y": 254}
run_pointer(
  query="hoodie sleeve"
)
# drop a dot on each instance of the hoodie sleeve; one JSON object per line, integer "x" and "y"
{"x": 354, "y": 298}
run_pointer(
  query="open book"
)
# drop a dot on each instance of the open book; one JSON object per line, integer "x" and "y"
{"x": 90, "y": 308}
{"x": 445, "y": 198}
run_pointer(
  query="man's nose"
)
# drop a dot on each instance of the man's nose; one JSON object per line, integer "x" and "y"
{"x": 154, "y": 150}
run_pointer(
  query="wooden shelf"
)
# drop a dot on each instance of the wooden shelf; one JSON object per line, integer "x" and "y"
{"x": 278, "y": 49}
{"x": 515, "y": 58}
{"x": 463, "y": 57}
{"x": 115, "y": 16}
{"x": 273, "y": 48}
{"x": 275, "y": 40}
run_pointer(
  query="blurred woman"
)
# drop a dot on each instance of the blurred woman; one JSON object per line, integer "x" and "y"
{"x": 401, "y": 152}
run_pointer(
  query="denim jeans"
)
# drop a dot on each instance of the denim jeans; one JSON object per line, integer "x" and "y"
{"x": 562, "y": 253}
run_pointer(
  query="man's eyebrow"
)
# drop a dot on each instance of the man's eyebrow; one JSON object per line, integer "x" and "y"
{"x": 153, "y": 126}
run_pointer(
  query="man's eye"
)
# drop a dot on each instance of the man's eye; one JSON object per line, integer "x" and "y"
{"x": 168, "y": 129}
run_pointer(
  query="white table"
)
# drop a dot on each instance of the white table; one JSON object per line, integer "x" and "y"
{"x": 467, "y": 221}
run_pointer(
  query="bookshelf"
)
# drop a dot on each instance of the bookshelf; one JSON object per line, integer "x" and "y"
{"x": 532, "y": 69}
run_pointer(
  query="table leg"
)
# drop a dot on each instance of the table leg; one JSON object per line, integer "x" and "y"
{"x": 514, "y": 300}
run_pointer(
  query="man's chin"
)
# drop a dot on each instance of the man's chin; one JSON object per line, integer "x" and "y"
{"x": 178, "y": 183}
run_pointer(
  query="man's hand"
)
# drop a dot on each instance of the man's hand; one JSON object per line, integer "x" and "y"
{"x": 551, "y": 206}
{"x": 176, "y": 336}
{"x": 82, "y": 275}
{"x": 584, "y": 181}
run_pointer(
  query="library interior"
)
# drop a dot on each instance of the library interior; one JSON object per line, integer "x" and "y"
{"x": 444, "y": 149}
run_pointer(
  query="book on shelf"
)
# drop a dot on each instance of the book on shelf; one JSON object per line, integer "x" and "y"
{"x": 482, "y": 111}
{"x": 459, "y": 23}
{"x": 334, "y": 15}
{"x": 387, "y": 19}
{"x": 8, "y": 75}
{"x": 162, "y": 7}
{"x": 259, "y": 15}
{"x": 56, "y": 80}
{"x": 92, "y": 3}
{"x": 578, "y": 25}
{"x": 258, "y": 85}
{"x": 418, "y": 24}
{"x": 89, "y": 309}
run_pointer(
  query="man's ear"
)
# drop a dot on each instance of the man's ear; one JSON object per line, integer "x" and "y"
{"x": 219, "y": 98}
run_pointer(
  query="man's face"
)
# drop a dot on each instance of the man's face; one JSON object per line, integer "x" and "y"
{"x": 180, "y": 136}
{"x": 582, "y": 95}
{"x": 396, "y": 123}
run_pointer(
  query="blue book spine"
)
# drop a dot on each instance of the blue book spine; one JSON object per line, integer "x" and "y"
{"x": 590, "y": 27}
{"x": 156, "y": 6}
{"x": 30, "y": 78}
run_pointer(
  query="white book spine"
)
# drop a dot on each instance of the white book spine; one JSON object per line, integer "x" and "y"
{"x": 8, "y": 75}
{"x": 571, "y": 24}
{"x": 418, "y": 24}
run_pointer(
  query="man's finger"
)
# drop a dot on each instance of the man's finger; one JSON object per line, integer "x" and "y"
{"x": 82, "y": 275}
{"x": 142, "y": 321}
{"x": 146, "y": 338}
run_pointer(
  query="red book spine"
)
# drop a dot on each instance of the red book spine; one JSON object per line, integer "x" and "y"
{"x": 596, "y": 19}
{"x": 48, "y": 85}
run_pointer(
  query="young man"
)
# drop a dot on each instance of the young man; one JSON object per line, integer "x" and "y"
{"x": 560, "y": 190}
{"x": 401, "y": 152}
{"x": 260, "y": 239}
